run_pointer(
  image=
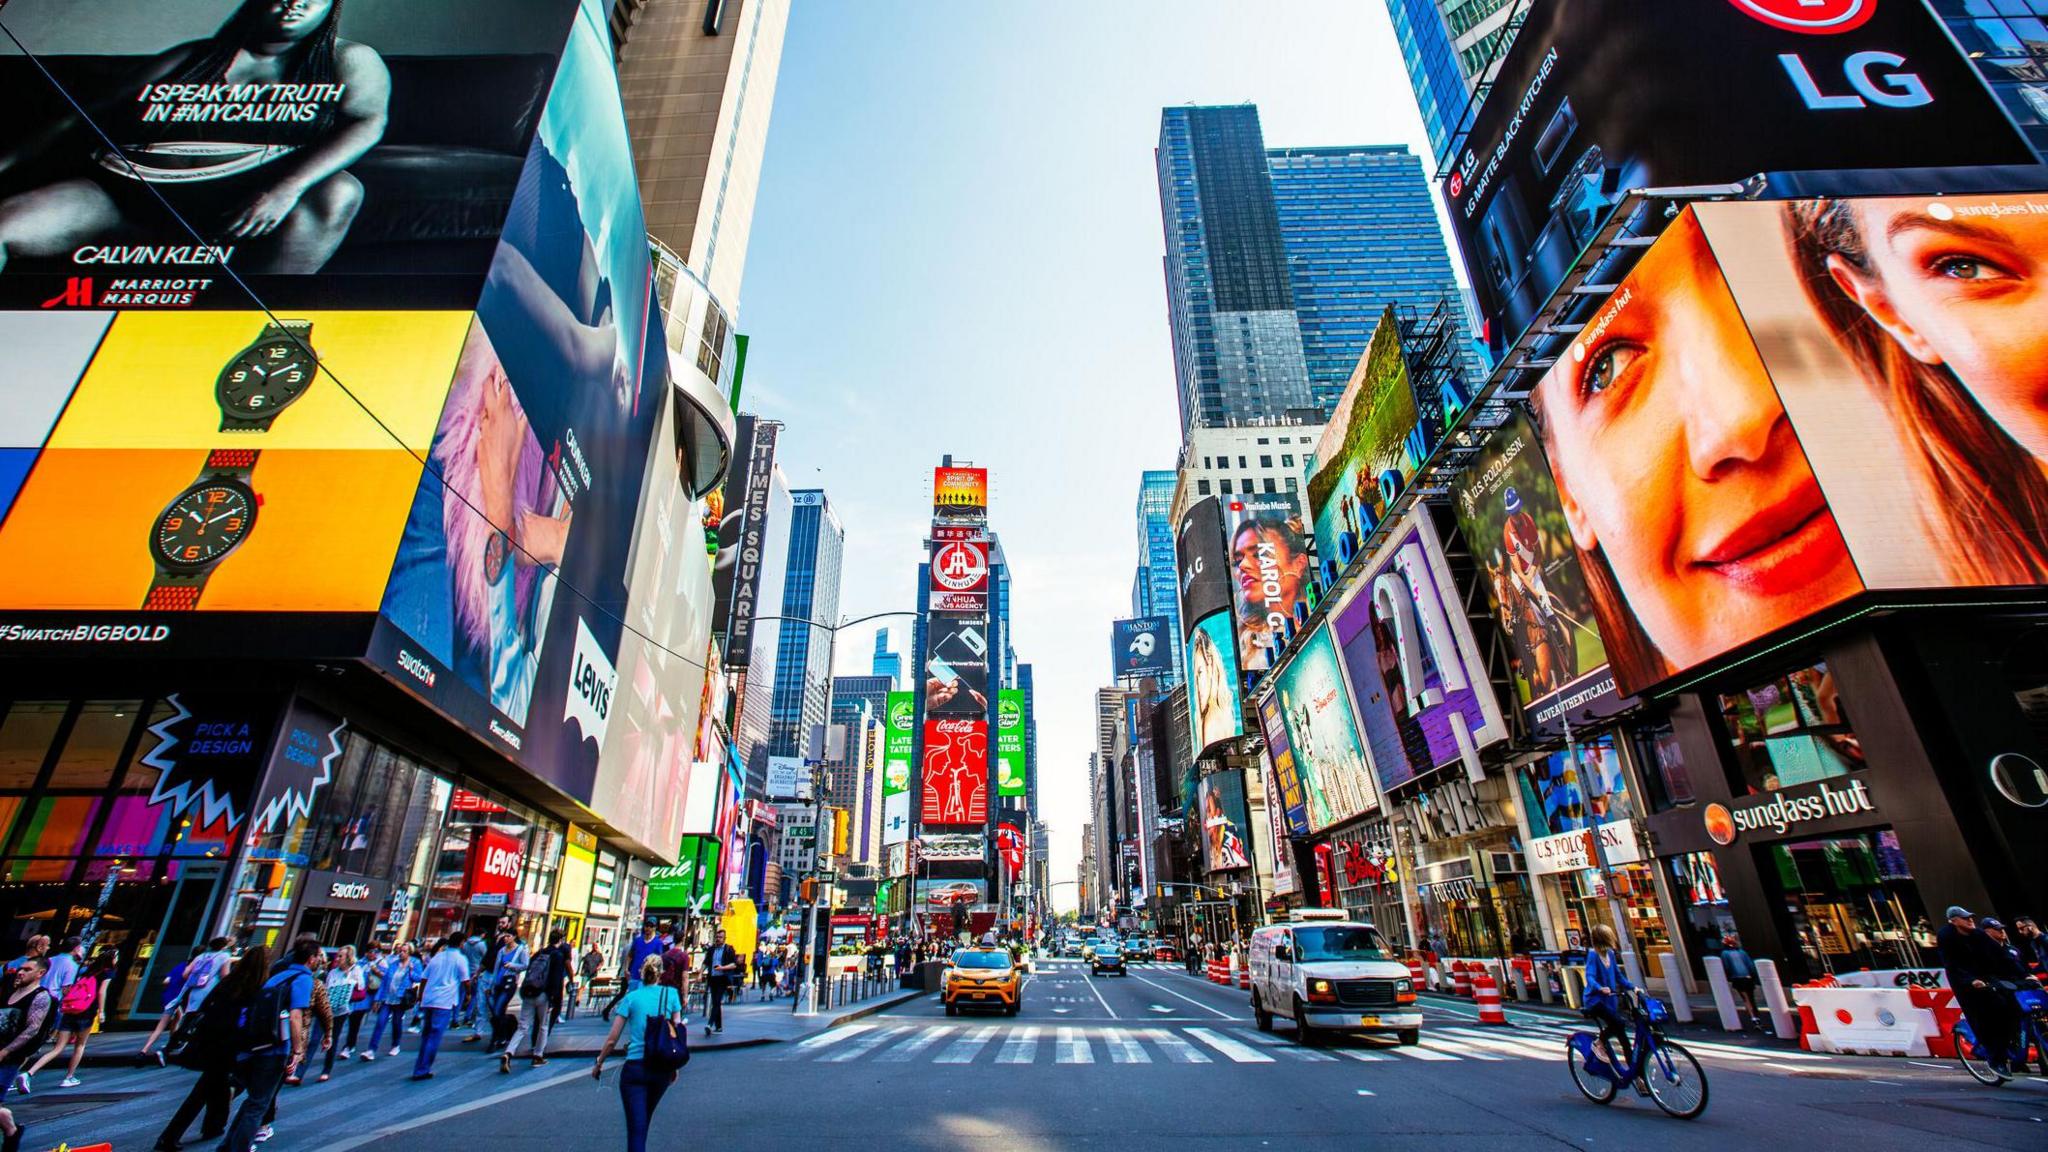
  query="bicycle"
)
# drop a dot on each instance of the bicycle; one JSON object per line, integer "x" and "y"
{"x": 1674, "y": 1080}
{"x": 2030, "y": 1037}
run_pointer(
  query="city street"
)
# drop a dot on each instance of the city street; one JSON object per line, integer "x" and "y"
{"x": 1155, "y": 1059}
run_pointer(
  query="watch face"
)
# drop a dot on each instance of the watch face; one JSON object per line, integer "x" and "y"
{"x": 265, "y": 378}
{"x": 203, "y": 524}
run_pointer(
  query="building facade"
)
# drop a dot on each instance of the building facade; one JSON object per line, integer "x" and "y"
{"x": 1447, "y": 46}
{"x": 802, "y": 692}
{"x": 1155, "y": 589}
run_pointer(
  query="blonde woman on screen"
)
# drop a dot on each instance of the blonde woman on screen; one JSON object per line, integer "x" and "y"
{"x": 1214, "y": 697}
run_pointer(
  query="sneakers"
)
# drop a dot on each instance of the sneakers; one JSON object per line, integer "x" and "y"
{"x": 21, "y": 1084}
{"x": 394, "y": 1050}
{"x": 263, "y": 1133}
{"x": 69, "y": 1082}
{"x": 368, "y": 1056}
{"x": 346, "y": 1053}
{"x": 505, "y": 1063}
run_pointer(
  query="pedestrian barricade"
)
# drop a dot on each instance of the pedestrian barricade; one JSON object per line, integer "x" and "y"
{"x": 1486, "y": 993}
{"x": 1875, "y": 1021}
{"x": 1461, "y": 978}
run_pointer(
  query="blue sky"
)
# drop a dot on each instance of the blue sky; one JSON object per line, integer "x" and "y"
{"x": 957, "y": 249}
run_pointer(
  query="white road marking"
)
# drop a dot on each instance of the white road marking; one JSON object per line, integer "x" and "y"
{"x": 865, "y": 1045}
{"x": 1192, "y": 1000}
{"x": 1101, "y": 1001}
{"x": 1074, "y": 1048}
{"x": 967, "y": 1047}
{"x": 1417, "y": 1052}
{"x": 1453, "y": 1050}
{"x": 1175, "y": 1047}
{"x": 834, "y": 1036}
{"x": 1365, "y": 1092}
{"x": 1020, "y": 1048}
{"x": 1363, "y": 1055}
{"x": 1229, "y": 1047}
{"x": 1510, "y": 1044}
{"x": 1122, "y": 1048}
{"x": 902, "y": 1053}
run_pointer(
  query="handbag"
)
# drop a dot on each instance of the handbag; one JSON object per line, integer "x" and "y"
{"x": 666, "y": 1046}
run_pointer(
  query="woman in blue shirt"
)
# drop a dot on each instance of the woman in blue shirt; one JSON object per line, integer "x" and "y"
{"x": 1605, "y": 982}
{"x": 641, "y": 1088}
{"x": 401, "y": 970}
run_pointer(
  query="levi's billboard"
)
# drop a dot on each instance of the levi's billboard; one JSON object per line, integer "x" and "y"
{"x": 493, "y": 863}
{"x": 1597, "y": 98}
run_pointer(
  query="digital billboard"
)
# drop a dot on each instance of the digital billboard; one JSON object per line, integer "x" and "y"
{"x": 956, "y": 666}
{"x": 1271, "y": 570}
{"x": 943, "y": 894}
{"x": 898, "y": 742}
{"x": 1422, "y": 692}
{"x": 1315, "y": 707}
{"x": 959, "y": 576}
{"x": 1214, "y": 711}
{"x": 1010, "y": 770}
{"x": 1140, "y": 648}
{"x": 1370, "y": 447}
{"x": 1511, "y": 519}
{"x": 958, "y": 490}
{"x": 1287, "y": 797}
{"x": 1203, "y": 568}
{"x": 1286, "y": 881}
{"x": 328, "y": 155}
{"x": 1220, "y": 796}
{"x": 954, "y": 782}
{"x": 1583, "y": 107}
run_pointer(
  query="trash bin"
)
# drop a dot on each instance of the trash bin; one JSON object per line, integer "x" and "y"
{"x": 932, "y": 971}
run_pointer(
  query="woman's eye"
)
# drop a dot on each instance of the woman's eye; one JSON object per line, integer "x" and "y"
{"x": 1604, "y": 367}
{"x": 1967, "y": 268}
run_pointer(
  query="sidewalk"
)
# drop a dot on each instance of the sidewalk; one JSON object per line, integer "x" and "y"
{"x": 746, "y": 1025}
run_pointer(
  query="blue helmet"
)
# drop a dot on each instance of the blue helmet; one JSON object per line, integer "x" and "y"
{"x": 1512, "y": 501}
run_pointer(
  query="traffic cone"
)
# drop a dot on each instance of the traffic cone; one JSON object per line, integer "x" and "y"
{"x": 1486, "y": 993}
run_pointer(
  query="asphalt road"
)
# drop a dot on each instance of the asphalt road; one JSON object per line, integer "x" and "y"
{"x": 1155, "y": 1059}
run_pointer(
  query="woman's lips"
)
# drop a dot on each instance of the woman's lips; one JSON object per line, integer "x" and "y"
{"x": 1781, "y": 549}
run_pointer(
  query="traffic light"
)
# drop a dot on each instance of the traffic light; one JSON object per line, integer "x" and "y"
{"x": 807, "y": 891}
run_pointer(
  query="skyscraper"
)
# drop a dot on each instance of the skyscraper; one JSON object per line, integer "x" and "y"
{"x": 810, "y": 591}
{"x": 886, "y": 662}
{"x": 1361, "y": 232}
{"x": 1229, "y": 300}
{"x": 1155, "y": 592}
{"x": 1448, "y": 46}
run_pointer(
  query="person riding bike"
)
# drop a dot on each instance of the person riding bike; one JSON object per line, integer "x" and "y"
{"x": 1983, "y": 973}
{"x": 1605, "y": 984}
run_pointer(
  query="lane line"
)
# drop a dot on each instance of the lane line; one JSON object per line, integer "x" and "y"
{"x": 902, "y": 1053}
{"x": 864, "y": 1045}
{"x": 828, "y": 1038}
{"x": 1101, "y": 1001}
{"x": 1521, "y": 1047}
{"x": 1418, "y": 1052}
{"x": 1175, "y": 1047}
{"x": 1231, "y": 1048}
{"x": 1074, "y": 1048}
{"x": 967, "y": 1047}
{"x": 1020, "y": 1048}
{"x": 1191, "y": 1000}
{"x": 453, "y": 1111}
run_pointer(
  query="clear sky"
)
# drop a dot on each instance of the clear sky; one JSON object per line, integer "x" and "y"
{"x": 957, "y": 249}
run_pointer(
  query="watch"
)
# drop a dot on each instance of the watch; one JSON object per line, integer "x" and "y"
{"x": 199, "y": 527}
{"x": 266, "y": 377}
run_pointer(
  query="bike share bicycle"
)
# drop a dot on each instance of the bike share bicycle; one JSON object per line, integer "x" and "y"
{"x": 1666, "y": 1072}
{"x": 2030, "y": 1037}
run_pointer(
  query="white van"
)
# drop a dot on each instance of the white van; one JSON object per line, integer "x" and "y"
{"x": 1331, "y": 976}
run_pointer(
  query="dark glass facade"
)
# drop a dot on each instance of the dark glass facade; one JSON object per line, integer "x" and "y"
{"x": 810, "y": 591}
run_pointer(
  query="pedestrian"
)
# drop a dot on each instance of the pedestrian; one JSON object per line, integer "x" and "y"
{"x": 721, "y": 966}
{"x": 1975, "y": 965}
{"x": 81, "y": 1005}
{"x": 201, "y": 975}
{"x": 27, "y": 1017}
{"x": 341, "y": 985}
{"x": 268, "y": 1052}
{"x": 588, "y": 968}
{"x": 320, "y": 1037}
{"x": 2032, "y": 946}
{"x": 38, "y": 949}
{"x": 649, "y": 944}
{"x": 440, "y": 994}
{"x": 359, "y": 1002}
{"x": 1605, "y": 982}
{"x": 511, "y": 967}
{"x": 1741, "y": 970}
{"x": 64, "y": 966}
{"x": 641, "y": 1087}
{"x": 476, "y": 950}
{"x": 215, "y": 1047}
{"x": 396, "y": 977}
{"x": 540, "y": 995}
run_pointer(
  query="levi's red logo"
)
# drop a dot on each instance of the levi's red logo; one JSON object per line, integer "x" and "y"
{"x": 1813, "y": 17}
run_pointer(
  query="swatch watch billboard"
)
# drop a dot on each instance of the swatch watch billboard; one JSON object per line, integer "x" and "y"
{"x": 1582, "y": 109}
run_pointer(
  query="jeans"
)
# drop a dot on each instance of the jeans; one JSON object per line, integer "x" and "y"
{"x": 261, "y": 1076}
{"x": 1614, "y": 1028}
{"x": 714, "y": 1002}
{"x": 388, "y": 1014}
{"x": 1994, "y": 1018}
{"x": 640, "y": 1090}
{"x": 210, "y": 1093}
{"x": 533, "y": 1018}
{"x": 430, "y": 1039}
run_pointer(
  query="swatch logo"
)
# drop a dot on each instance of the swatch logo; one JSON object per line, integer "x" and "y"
{"x": 1812, "y": 17}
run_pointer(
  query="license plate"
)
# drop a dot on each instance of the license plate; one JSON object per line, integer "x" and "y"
{"x": 1368, "y": 1021}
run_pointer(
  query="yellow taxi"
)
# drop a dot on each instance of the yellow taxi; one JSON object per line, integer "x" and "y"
{"x": 982, "y": 978}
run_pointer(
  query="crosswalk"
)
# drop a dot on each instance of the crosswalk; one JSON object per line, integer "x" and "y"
{"x": 920, "y": 1041}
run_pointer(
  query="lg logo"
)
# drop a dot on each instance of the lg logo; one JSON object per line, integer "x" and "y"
{"x": 1874, "y": 77}
{"x": 1813, "y": 17}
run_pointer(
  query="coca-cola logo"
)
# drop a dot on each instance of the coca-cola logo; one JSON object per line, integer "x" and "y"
{"x": 954, "y": 727}
{"x": 1812, "y": 17}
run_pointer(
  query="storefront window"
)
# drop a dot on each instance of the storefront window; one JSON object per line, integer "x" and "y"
{"x": 25, "y": 737}
{"x": 1665, "y": 776}
{"x": 93, "y": 748}
{"x": 1789, "y": 730}
{"x": 1851, "y": 901}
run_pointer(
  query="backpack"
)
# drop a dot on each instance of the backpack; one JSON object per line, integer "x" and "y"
{"x": 264, "y": 1020}
{"x": 538, "y": 970}
{"x": 81, "y": 995}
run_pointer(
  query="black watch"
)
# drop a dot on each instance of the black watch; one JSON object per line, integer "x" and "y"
{"x": 199, "y": 527}
{"x": 264, "y": 378}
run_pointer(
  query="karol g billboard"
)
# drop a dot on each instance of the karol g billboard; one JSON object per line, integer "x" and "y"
{"x": 1583, "y": 108}
{"x": 1271, "y": 571}
{"x": 1421, "y": 689}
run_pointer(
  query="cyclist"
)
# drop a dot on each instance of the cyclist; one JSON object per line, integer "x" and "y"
{"x": 2032, "y": 946}
{"x": 1976, "y": 965}
{"x": 1605, "y": 983}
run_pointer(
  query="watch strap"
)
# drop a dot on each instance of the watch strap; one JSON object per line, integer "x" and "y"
{"x": 172, "y": 594}
{"x": 236, "y": 462}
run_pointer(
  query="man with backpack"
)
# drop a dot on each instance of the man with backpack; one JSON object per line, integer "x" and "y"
{"x": 540, "y": 995}
{"x": 27, "y": 1017}
{"x": 270, "y": 1040}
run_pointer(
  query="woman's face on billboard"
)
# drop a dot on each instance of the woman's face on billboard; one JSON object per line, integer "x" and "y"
{"x": 1965, "y": 291}
{"x": 1674, "y": 457}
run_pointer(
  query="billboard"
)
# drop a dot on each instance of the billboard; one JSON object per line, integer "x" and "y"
{"x": 951, "y": 893}
{"x": 954, "y": 783}
{"x": 788, "y": 778}
{"x": 1369, "y": 449}
{"x": 1286, "y": 797}
{"x": 751, "y": 541}
{"x": 1511, "y": 519}
{"x": 1584, "y": 103}
{"x": 1140, "y": 648}
{"x": 1010, "y": 769}
{"x": 1220, "y": 797}
{"x": 956, "y": 666}
{"x": 327, "y": 156}
{"x": 691, "y": 883}
{"x": 952, "y": 846}
{"x": 1286, "y": 881}
{"x": 958, "y": 490}
{"x": 1214, "y": 711}
{"x": 959, "y": 576}
{"x": 1204, "y": 571}
{"x": 1315, "y": 708}
{"x": 1422, "y": 692}
{"x": 1271, "y": 571}
{"x": 898, "y": 742}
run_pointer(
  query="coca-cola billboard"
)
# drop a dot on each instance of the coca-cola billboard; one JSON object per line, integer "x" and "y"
{"x": 955, "y": 779}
